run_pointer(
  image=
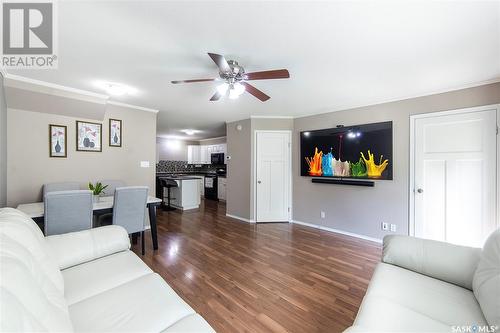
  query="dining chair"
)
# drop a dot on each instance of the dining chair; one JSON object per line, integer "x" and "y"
{"x": 61, "y": 186}
{"x": 112, "y": 185}
{"x": 129, "y": 209}
{"x": 67, "y": 211}
{"x": 106, "y": 218}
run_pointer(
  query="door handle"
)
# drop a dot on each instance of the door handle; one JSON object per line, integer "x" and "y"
{"x": 420, "y": 190}
{"x": 258, "y": 182}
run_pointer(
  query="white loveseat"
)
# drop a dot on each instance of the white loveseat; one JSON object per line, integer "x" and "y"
{"x": 87, "y": 281}
{"x": 429, "y": 286}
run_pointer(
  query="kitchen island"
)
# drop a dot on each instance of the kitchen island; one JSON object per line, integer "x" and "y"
{"x": 187, "y": 193}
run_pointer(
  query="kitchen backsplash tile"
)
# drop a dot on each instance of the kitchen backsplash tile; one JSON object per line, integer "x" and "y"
{"x": 183, "y": 166}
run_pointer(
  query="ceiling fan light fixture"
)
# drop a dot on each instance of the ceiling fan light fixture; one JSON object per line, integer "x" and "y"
{"x": 236, "y": 90}
{"x": 222, "y": 88}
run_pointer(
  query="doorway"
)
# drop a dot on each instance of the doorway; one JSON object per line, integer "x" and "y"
{"x": 454, "y": 175}
{"x": 272, "y": 200}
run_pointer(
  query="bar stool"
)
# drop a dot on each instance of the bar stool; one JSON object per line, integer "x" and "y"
{"x": 168, "y": 183}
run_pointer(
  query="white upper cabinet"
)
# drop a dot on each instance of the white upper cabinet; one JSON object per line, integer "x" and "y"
{"x": 194, "y": 154}
{"x": 202, "y": 154}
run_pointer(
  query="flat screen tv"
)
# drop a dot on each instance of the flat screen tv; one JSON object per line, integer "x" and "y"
{"x": 361, "y": 151}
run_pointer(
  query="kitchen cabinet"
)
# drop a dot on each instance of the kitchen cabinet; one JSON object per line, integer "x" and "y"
{"x": 205, "y": 155}
{"x": 194, "y": 154}
{"x": 221, "y": 188}
{"x": 202, "y": 154}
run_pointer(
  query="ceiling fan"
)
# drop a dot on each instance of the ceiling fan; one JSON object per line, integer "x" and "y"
{"x": 235, "y": 79}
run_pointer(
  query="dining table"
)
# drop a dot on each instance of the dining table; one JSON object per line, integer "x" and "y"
{"x": 104, "y": 205}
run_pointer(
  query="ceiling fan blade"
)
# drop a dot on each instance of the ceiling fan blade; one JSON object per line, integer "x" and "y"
{"x": 221, "y": 62}
{"x": 192, "y": 81}
{"x": 266, "y": 75}
{"x": 215, "y": 97}
{"x": 256, "y": 92}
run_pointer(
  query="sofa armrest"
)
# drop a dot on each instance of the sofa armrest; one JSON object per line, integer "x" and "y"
{"x": 444, "y": 261}
{"x": 75, "y": 248}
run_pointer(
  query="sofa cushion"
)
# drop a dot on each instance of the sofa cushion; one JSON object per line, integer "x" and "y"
{"x": 398, "y": 299}
{"x": 191, "y": 324}
{"x": 94, "y": 277}
{"x": 486, "y": 283}
{"x": 145, "y": 304}
{"x": 17, "y": 225}
{"x": 38, "y": 303}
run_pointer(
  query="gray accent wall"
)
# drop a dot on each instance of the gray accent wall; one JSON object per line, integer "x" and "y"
{"x": 238, "y": 169}
{"x": 29, "y": 165}
{"x": 361, "y": 210}
{"x": 3, "y": 145}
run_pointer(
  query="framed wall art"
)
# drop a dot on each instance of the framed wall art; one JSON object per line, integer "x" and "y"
{"x": 88, "y": 136}
{"x": 58, "y": 141}
{"x": 115, "y": 133}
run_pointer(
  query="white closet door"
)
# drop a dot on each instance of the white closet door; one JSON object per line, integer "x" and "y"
{"x": 455, "y": 177}
{"x": 273, "y": 176}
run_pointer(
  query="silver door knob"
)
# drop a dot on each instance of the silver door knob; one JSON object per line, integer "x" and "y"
{"x": 420, "y": 190}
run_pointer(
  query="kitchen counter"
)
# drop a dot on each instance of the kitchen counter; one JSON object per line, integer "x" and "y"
{"x": 186, "y": 195}
{"x": 180, "y": 177}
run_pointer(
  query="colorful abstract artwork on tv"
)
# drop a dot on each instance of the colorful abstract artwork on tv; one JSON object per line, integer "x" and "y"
{"x": 361, "y": 151}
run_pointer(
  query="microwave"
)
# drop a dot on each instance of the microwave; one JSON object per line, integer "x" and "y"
{"x": 217, "y": 159}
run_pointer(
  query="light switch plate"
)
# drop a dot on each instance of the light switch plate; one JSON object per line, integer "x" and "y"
{"x": 144, "y": 164}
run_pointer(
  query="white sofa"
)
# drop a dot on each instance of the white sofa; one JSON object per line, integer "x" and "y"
{"x": 429, "y": 286}
{"x": 87, "y": 281}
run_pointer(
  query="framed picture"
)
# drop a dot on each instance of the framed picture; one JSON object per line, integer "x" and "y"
{"x": 88, "y": 136}
{"x": 57, "y": 141}
{"x": 115, "y": 133}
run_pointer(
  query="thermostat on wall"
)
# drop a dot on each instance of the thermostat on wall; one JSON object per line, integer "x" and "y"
{"x": 144, "y": 164}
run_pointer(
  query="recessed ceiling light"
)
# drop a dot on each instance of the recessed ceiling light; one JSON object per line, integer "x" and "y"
{"x": 115, "y": 89}
{"x": 189, "y": 131}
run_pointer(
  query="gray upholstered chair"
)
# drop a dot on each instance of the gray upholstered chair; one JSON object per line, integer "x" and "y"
{"x": 129, "y": 209}
{"x": 112, "y": 185}
{"x": 67, "y": 211}
{"x": 62, "y": 186}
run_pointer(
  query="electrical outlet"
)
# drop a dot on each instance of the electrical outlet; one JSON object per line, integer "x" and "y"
{"x": 393, "y": 228}
{"x": 385, "y": 226}
{"x": 323, "y": 215}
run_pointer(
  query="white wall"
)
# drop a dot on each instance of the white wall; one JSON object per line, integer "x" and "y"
{"x": 173, "y": 150}
{"x": 3, "y": 146}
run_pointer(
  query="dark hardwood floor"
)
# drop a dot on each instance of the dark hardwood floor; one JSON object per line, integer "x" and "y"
{"x": 274, "y": 277}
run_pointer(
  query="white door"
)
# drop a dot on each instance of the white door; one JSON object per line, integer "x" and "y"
{"x": 455, "y": 177}
{"x": 272, "y": 153}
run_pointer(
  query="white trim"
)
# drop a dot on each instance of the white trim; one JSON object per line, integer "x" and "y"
{"x": 346, "y": 233}
{"x": 219, "y": 137}
{"x": 26, "y": 83}
{"x": 125, "y": 105}
{"x": 240, "y": 218}
{"x": 22, "y": 79}
{"x": 400, "y": 99}
{"x": 411, "y": 187}
{"x": 271, "y": 117}
{"x": 254, "y": 163}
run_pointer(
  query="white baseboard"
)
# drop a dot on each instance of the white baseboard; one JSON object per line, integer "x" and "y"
{"x": 371, "y": 239}
{"x": 240, "y": 218}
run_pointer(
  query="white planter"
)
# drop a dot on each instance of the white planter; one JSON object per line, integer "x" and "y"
{"x": 95, "y": 198}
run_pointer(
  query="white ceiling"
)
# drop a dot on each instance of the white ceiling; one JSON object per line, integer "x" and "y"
{"x": 339, "y": 54}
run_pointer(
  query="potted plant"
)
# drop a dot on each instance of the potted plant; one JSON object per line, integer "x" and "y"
{"x": 97, "y": 190}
